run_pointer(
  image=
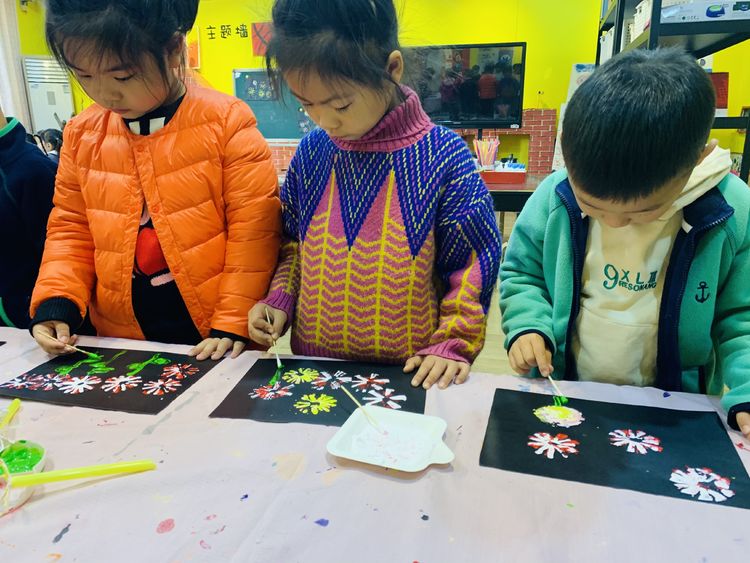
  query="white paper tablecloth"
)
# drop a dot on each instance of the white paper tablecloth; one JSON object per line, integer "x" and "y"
{"x": 244, "y": 491}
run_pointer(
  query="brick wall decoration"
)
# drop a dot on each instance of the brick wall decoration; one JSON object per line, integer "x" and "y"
{"x": 539, "y": 125}
{"x": 282, "y": 153}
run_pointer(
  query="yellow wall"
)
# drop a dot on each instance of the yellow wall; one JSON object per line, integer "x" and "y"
{"x": 31, "y": 28}
{"x": 734, "y": 61}
{"x": 33, "y": 43}
{"x": 557, "y": 36}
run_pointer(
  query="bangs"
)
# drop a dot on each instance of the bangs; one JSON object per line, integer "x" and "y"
{"x": 337, "y": 62}
{"x": 102, "y": 35}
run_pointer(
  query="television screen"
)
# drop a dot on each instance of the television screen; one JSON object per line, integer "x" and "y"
{"x": 471, "y": 86}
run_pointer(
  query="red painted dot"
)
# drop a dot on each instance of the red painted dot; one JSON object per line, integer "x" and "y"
{"x": 165, "y": 526}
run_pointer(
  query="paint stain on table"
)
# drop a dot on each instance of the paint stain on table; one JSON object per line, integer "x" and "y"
{"x": 60, "y": 535}
{"x": 289, "y": 466}
{"x": 165, "y": 526}
{"x": 330, "y": 476}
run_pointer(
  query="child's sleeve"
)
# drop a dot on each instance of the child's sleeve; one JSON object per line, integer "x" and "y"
{"x": 468, "y": 257}
{"x": 36, "y": 203}
{"x": 286, "y": 281}
{"x": 525, "y": 302}
{"x": 253, "y": 219}
{"x": 732, "y": 333}
{"x": 66, "y": 275}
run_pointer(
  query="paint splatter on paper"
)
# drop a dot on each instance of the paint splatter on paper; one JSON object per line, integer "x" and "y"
{"x": 640, "y": 455}
{"x": 702, "y": 483}
{"x": 302, "y": 375}
{"x": 121, "y": 383}
{"x": 315, "y": 404}
{"x": 636, "y": 441}
{"x": 548, "y": 445}
{"x": 363, "y": 383}
{"x": 75, "y": 385}
{"x": 326, "y": 380}
{"x": 270, "y": 392}
{"x": 312, "y": 391}
{"x": 124, "y": 380}
{"x": 565, "y": 417}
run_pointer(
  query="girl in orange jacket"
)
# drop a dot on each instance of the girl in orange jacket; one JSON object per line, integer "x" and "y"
{"x": 166, "y": 223}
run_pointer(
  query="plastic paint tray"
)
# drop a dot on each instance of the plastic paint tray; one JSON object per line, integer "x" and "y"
{"x": 408, "y": 441}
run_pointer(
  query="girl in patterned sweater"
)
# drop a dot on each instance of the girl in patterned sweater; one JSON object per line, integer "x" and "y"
{"x": 392, "y": 248}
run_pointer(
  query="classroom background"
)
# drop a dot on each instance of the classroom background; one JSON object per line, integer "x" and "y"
{"x": 548, "y": 47}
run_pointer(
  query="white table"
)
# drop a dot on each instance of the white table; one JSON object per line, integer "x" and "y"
{"x": 244, "y": 491}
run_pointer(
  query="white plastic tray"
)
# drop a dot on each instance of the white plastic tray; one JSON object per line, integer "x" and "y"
{"x": 406, "y": 441}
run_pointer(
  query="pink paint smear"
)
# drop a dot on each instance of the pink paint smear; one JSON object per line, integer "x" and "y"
{"x": 165, "y": 526}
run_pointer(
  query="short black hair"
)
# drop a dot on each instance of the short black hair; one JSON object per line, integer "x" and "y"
{"x": 339, "y": 40}
{"x": 127, "y": 29}
{"x": 640, "y": 120}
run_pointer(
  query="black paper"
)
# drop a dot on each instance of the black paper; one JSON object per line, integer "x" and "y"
{"x": 123, "y": 380}
{"x": 385, "y": 386}
{"x": 695, "y": 448}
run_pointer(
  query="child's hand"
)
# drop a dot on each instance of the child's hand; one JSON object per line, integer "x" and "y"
{"x": 434, "y": 369}
{"x": 260, "y": 330}
{"x": 743, "y": 421}
{"x": 48, "y": 332}
{"x": 215, "y": 348}
{"x": 530, "y": 351}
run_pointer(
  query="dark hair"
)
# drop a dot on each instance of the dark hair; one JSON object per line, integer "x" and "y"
{"x": 489, "y": 68}
{"x": 339, "y": 40}
{"x": 639, "y": 121}
{"x": 52, "y": 136}
{"x": 126, "y": 29}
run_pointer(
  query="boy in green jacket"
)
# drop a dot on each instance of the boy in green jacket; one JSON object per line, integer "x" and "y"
{"x": 633, "y": 266}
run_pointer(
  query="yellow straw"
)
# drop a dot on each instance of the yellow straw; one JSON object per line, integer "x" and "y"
{"x": 34, "y": 479}
{"x": 364, "y": 411}
{"x": 15, "y": 404}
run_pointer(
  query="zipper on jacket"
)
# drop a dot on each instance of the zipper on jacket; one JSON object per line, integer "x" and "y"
{"x": 575, "y": 224}
{"x": 673, "y": 361}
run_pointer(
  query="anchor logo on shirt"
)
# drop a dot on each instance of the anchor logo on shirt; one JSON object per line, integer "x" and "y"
{"x": 703, "y": 297}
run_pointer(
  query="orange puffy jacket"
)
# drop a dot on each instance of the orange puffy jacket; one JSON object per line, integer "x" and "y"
{"x": 212, "y": 191}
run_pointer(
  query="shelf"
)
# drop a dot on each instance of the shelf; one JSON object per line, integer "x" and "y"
{"x": 639, "y": 42}
{"x": 700, "y": 38}
{"x": 730, "y": 123}
{"x": 608, "y": 20}
{"x": 704, "y": 38}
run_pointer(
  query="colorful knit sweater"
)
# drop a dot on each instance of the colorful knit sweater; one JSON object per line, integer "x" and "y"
{"x": 392, "y": 248}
